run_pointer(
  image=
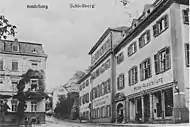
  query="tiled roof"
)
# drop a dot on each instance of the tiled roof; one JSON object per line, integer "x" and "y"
{"x": 25, "y": 48}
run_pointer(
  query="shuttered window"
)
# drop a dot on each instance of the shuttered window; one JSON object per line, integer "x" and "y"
{"x": 145, "y": 69}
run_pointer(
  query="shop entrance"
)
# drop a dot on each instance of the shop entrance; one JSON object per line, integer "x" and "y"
{"x": 146, "y": 107}
{"x": 157, "y": 104}
{"x": 138, "y": 109}
{"x": 168, "y": 100}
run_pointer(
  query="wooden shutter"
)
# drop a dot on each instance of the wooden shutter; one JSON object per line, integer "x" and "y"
{"x": 129, "y": 75}
{"x": 168, "y": 58}
{"x": 148, "y": 35}
{"x": 141, "y": 71}
{"x": 155, "y": 30}
{"x": 140, "y": 42}
{"x": 166, "y": 24}
{"x": 156, "y": 63}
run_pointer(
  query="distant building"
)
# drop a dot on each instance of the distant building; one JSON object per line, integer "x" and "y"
{"x": 15, "y": 59}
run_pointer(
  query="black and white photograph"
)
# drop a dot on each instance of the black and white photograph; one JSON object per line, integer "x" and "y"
{"x": 94, "y": 63}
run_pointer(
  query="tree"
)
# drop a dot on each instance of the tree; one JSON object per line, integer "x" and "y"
{"x": 6, "y": 28}
{"x": 24, "y": 95}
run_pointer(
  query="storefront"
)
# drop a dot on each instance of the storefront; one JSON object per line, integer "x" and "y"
{"x": 152, "y": 106}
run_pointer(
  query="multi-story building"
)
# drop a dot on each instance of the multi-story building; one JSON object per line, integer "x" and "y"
{"x": 100, "y": 76}
{"x": 84, "y": 97}
{"x": 15, "y": 59}
{"x": 152, "y": 69}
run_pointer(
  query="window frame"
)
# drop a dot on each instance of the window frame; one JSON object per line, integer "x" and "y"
{"x": 119, "y": 78}
{"x": 187, "y": 54}
{"x": 1, "y": 65}
{"x": 120, "y": 57}
{"x": 143, "y": 39}
{"x": 142, "y": 70}
{"x": 15, "y": 45}
{"x": 130, "y": 48}
{"x": 14, "y": 62}
{"x": 37, "y": 83}
{"x": 157, "y": 61}
{"x": 185, "y": 16}
{"x": 33, "y": 109}
{"x": 130, "y": 74}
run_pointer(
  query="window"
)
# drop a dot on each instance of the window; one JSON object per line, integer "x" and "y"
{"x": 83, "y": 85}
{"x": 15, "y": 48}
{"x": 1, "y": 65}
{"x": 144, "y": 39}
{"x": 33, "y": 106}
{"x": 108, "y": 111}
{"x": 160, "y": 26}
{"x": 121, "y": 81}
{"x": 80, "y": 87}
{"x": 93, "y": 93}
{"x": 109, "y": 85}
{"x": 97, "y": 72}
{"x": 107, "y": 64}
{"x": 186, "y": 16}
{"x": 145, "y": 69}
{"x": 14, "y": 105}
{"x": 99, "y": 90}
{"x": 103, "y": 91}
{"x": 162, "y": 60}
{"x": 133, "y": 76}
{"x": 132, "y": 48}
{"x": 14, "y": 86}
{"x": 187, "y": 54}
{"x": 14, "y": 66}
{"x": 34, "y": 85}
{"x": 120, "y": 58}
{"x": 102, "y": 112}
{"x": 34, "y": 66}
{"x": 87, "y": 82}
{"x": 87, "y": 97}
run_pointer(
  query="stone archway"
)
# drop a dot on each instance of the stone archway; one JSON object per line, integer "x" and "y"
{"x": 120, "y": 113}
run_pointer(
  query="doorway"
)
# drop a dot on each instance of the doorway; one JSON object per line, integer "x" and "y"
{"x": 146, "y": 107}
{"x": 157, "y": 104}
{"x": 138, "y": 109}
{"x": 120, "y": 114}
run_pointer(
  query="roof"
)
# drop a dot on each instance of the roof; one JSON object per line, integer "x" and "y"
{"x": 84, "y": 77}
{"x": 25, "y": 48}
{"x": 117, "y": 29}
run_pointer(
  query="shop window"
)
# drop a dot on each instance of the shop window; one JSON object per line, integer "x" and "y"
{"x": 133, "y": 79}
{"x": 1, "y": 65}
{"x": 168, "y": 97}
{"x": 120, "y": 58}
{"x": 186, "y": 16}
{"x": 162, "y": 60}
{"x": 144, "y": 39}
{"x": 160, "y": 26}
{"x": 132, "y": 48}
{"x": 121, "y": 81}
{"x": 187, "y": 54}
{"x": 33, "y": 106}
{"x": 145, "y": 69}
{"x": 14, "y": 66}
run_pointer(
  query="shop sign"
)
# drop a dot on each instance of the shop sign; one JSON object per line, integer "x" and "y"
{"x": 148, "y": 84}
{"x": 101, "y": 101}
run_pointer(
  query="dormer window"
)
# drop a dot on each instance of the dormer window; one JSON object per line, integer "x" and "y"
{"x": 34, "y": 85}
{"x": 15, "y": 48}
{"x": 34, "y": 51}
{"x": 148, "y": 12}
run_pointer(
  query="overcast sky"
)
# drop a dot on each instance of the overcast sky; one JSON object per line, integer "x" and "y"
{"x": 67, "y": 34}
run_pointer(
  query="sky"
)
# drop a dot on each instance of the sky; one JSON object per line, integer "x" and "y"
{"x": 67, "y": 34}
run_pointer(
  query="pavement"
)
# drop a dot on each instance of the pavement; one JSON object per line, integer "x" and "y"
{"x": 58, "y": 121}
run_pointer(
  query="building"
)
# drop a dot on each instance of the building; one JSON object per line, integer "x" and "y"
{"x": 15, "y": 59}
{"x": 152, "y": 69}
{"x": 96, "y": 98}
{"x": 84, "y": 97}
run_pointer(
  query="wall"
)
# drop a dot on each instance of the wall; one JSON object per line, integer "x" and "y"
{"x": 148, "y": 51}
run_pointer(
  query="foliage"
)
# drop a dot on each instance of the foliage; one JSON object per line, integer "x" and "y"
{"x": 64, "y": 105}
{"x": 6, "y": 28}
{"x": 23, "y": 95}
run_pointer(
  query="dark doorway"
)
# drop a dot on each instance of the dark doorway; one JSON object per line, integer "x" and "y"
{"x": 146, "y": 107}
{"x": 120, "y": 115}
{"x": 168, "y": 97}
{"x": 139, "y": 109}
